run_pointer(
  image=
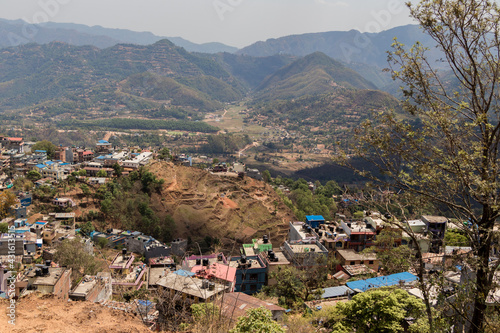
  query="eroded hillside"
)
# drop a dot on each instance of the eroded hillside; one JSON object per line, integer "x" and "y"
{"x": 231, "y": 209}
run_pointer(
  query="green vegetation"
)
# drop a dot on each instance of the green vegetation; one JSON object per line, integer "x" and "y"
{"x": 127, "y": 202}
{"x": 258, "y": 320}
{"x": 304, "y": 202}
{"x": 145, "y": 124}
{"x": 72, "y": 254}
{"x": 46, "y": 145}
{"x": 377, "y": 310}
{"x": 455, "y": 237}
{"x": 313, "y": 74}
{"x": 224, "y": 143}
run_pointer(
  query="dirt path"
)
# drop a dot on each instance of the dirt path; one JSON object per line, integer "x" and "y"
{"x": 108, "y": 135}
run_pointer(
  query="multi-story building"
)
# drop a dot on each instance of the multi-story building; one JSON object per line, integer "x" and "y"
{"x": 436, "y": 227}
{"x": 251, "y": 273}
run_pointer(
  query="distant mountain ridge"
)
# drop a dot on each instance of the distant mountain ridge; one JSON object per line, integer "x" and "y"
{"x": 17, "y": 32}
{"x": 347, "y": 46}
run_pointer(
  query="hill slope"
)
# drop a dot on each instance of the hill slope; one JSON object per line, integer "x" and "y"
{"x": 313, "y": 74}
{"x": 81, "y": 78}
{"x": 228, "y": 208}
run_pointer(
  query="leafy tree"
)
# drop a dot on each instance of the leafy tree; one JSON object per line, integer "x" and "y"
{"x": 258, "y": 320}
{"x": 33, "y": 175}
{"x": 393, "y": 259}
{"x": 7, "y": 200}
{"x": 81, "y": 173}
{"x": 4, "y": 228}
{"x": 164, "y": 154}
{"x": 376, "y": 310}
{"x": 102, "y": 173}
{"x": 71, "y": 253}
{"x": 86, "y": 190}
{"x": 118, "y": 169}
{"x": 46, "y": 145}
{"x": 266, "y": 176}
{"x": 448, "y": 157}
{"x": 87, "y": 228}
{"x": 454, "y": 237}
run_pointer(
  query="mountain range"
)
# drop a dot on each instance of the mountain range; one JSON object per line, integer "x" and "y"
{"x": 17, "y": 32}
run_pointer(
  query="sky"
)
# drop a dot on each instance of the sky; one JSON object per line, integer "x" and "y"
{"x": 233, "y": 22}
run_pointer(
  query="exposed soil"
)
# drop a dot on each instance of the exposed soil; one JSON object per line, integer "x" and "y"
{"x": 48, "y": 314}
{"x": 203, "y": 204}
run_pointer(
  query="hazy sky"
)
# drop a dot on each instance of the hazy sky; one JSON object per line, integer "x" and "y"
{"x": 233, "y": 22}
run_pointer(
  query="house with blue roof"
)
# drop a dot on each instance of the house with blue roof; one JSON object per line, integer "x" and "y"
{"x": 382, "y": 281}
{"x": 315, "y": 220}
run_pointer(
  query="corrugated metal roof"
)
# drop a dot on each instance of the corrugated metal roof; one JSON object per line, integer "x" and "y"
{"x": 315, "y": 218}
{"x": 336, "y": 292}
{"x": 382, "y": 281}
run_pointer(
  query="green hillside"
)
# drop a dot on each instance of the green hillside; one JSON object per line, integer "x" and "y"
{"x": 314, "y": 74}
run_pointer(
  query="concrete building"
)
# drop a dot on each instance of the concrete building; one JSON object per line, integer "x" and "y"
{"x": 305, "y": 254}
{"x": 51, "y": 280}
{"x": 361, "y": 234}
{"x": 351, "y": 258}
{"x": 191, "y": 288}
{"x": 436, "y": 226}
{"x": 93, "y": 288}
{"x": 251, "y": 274}
{"x": 274, "y": 260}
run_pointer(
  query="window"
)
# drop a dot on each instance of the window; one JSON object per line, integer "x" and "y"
{"x": 338, "y": 244}
{"x": 370, "y": 262}
{"x": 253, "y": 287}
{"x": 253, "y": 277}
{"x": 243, "y": 287}
{"x": 352, "y": 263}
{"x": 361, "y": 262}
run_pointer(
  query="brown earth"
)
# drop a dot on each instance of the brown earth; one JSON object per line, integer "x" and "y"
{"x": 48, "y": 314}
{"x": 205, "y": 204}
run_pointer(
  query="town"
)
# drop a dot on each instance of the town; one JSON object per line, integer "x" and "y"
{"x": 45, "y": 247}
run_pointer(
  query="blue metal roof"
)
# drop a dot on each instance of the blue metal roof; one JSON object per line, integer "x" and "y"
{"x": 40, "y": 166}
{"x": 336, "y": 292}
{"x": 103, "y": 141}
{"x": 382, "y": 281}
{"x": 182, "y": 272}
{"x": 40, "y": 151}
{"x": 315, "y": 218}
{"x": 49, "y": 163}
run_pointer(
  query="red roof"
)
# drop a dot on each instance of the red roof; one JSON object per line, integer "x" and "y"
{"x": 216, "y": 270}
{"x": 15, "y": 139}
{"x": 88, "y": 152}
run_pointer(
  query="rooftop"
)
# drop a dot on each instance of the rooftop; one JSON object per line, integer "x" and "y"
{"x": 86, "y": 284}
{"x": 236, "y": 304}
{"x": 382, "y": 281}
{"x": 252, "y": 261}
{"x": 305, "y": 248}
{"x": 121, "y": 261}
{"x": 215, "y": 270}
{"x": 336, "y": 292}
{"x": 189, "y": 285}
{"x": 354, "y": 270}
{"x": 434, "y": 219}
{"x": 51, "y": 279}
{"x": 351, "y": 255}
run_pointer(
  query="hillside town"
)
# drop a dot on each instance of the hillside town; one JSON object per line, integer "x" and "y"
{"x": 346, "y": 249}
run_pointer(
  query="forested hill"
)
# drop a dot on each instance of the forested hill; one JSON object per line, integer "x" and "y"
{"x": 83, "y": 77}
{"x": 313, "y": 74}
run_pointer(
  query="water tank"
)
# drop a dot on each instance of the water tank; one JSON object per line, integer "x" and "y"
{"x": 320, "y": 234}
{"x": 243, "y": 259}
{"x": 198, "y": 261}
{"x": 206, "y": 262}
{"x": 124, "y": 251}
{"x": 45, "y": 271}
{"x": 204, "y": 284}
{"x": 48, "y": 262}
{"x": 38, "y": 272}
{"x": 219, "y": 257}
{"x": 265, "y": 239}
{"x": 211, "y": 286}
